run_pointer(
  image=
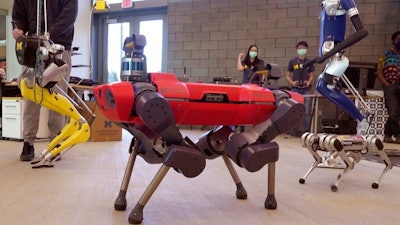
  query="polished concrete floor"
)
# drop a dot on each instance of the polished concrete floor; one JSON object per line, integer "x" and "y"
{"x": 82, "y": 187}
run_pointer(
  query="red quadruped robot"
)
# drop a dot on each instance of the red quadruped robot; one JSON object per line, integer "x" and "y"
{"x": 151, "y": 105}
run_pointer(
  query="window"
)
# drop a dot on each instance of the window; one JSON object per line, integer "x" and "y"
{"x": 111, "y": 29}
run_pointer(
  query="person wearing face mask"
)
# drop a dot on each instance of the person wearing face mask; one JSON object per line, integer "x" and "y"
{"x": 300, "y": 80}
{"x": 250, "y": 63}
{"x": 389, "y": 74}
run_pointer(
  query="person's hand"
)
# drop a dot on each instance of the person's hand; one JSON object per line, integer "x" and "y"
{"x": 241, "y": 55}
{"x": 17, "y": 32}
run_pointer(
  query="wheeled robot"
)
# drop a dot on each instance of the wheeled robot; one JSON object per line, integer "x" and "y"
{"x": 152, "y": 105}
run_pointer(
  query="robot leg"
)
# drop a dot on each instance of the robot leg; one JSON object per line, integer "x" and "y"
{"x": 252, "y": 149}
{"x": 327, "y": 83}
{"x": 76, "y": 131}
{"x": 338, "y": 98}
{"x": 154, "y": 110}
{"x": 375, "y": 144}
{"x": 70, "y": 128}
{"x": 211, "y": 144}
{"x": 156, "y": 113}
{"x": 311, "y": 142}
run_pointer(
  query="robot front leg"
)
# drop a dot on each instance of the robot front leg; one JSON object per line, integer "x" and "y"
{"x": 156, "y": 113}
{"x": 120, "y": 202}
{"x": 76, "y": 131}
{"x": 311, "y": 142}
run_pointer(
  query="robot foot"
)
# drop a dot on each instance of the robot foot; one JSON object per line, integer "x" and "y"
{"x": 42, "y": 163}
{"x": 190, "y": 162}
{"x": 45, "y": 160}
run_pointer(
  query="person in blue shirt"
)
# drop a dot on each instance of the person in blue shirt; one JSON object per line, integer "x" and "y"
{"x": 300, "y": 78}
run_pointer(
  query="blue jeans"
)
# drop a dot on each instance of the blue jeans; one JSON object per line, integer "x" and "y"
{"x": 306, "y": 119}
{"x": 392, "y": 103}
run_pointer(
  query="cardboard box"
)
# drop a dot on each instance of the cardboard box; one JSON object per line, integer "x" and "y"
{"x": 2, "y": 51}
{"x": 101, "y": 129}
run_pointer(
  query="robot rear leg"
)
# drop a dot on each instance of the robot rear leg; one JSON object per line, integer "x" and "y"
{"x": 252, "y": 149}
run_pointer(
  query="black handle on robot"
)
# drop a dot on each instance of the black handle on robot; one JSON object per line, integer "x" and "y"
{"x": 354, "y": 38}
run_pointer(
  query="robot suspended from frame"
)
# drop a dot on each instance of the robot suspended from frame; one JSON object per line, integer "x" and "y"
{"x": 346, "y": 148}
{"x": 39, "y": 54}
{"x": 151, "y": 105}
{"x": 44, "y": 91}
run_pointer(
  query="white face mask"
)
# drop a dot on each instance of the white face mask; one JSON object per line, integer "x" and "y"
{"x": 301, "y": 51}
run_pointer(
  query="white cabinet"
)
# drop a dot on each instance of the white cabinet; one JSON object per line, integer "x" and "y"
{"x": 12, "y": 119}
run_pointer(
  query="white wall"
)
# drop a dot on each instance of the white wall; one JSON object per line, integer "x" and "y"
{"x": 81, "y": 40}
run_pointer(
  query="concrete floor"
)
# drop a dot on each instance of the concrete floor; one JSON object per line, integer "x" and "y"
{"x": 82, "y": 187}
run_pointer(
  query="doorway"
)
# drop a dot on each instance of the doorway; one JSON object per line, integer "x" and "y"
{"x": 115, "y": 28}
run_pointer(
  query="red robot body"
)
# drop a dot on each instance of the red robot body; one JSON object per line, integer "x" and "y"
{"x": 196, "y": 103}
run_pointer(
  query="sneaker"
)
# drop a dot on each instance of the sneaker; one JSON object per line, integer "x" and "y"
{"x": 397, "y": 141}
{"x": 388, "y": 139}
{"x": 28, "y": 152}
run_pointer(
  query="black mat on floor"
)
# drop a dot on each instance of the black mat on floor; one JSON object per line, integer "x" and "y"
{"x": 393, "y": 154}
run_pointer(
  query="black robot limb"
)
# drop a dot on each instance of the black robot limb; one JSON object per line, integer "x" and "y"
{"x": 154, "y": 110}
{"x": 212, "y": 145}
{"x": 157, "y": 141}
{"x": 253, "y": 149}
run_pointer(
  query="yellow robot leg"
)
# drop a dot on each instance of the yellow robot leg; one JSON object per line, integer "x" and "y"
{"x": 53, "y": 101}
{"x": 49, "y": 155}
{"x": 79, "y": 136}
{"x": 70, "y": 128}
{"x": 76, "y": 131}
